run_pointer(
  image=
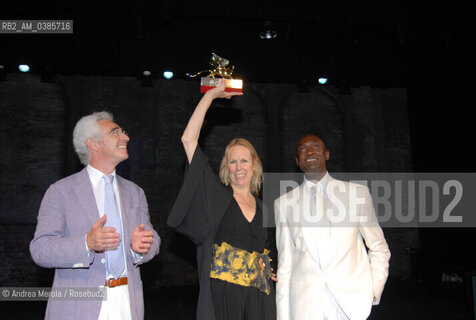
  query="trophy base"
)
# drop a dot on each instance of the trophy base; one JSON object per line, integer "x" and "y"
{"x": 231, "y": 85}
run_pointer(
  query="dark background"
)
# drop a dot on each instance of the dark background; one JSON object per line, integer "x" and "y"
{"x": 399, "y": 99}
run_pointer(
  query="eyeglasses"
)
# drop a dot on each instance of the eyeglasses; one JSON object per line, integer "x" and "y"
{"x": 118, "y": 132}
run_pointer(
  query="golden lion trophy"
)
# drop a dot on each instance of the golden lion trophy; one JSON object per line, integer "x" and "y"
{"x": 222, "y": 70}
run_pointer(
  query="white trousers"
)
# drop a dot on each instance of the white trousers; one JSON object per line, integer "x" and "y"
{"x": 117, "y": 305}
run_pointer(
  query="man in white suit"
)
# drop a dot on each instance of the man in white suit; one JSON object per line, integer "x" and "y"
{"x": 322, "y": 230}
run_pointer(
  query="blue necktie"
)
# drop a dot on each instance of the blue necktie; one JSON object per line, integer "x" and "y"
{"x": 114, "y": 258}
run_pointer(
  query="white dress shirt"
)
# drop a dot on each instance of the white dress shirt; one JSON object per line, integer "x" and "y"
{"x": 99, "y": 192}
{"x": 117, "y": 304}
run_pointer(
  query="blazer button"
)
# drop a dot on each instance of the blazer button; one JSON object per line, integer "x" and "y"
{"x": 103, "y": 260}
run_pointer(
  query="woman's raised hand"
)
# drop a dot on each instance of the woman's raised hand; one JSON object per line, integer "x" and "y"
{"x": 219, "y": 92}
{"x": 192, "y": 131}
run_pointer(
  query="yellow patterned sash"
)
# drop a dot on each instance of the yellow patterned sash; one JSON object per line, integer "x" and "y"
{"x": 241, "y": 267}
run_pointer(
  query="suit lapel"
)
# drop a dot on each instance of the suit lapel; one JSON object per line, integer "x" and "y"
{"x": 309, "y": 229}
{"x": 85, "y": 194}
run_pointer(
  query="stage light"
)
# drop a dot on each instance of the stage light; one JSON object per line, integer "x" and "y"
{"x": 168, "y": 74}
{"x": 147, "y": 80}
{"x": 268, "y": 32}
{"x": 24, "y": 67}
{"x": 322, "y": 81}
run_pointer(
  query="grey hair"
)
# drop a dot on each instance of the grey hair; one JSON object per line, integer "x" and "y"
{"x": 88, "y": 127}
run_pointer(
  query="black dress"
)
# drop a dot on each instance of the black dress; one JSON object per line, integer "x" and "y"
{"x": 206, "y": 212}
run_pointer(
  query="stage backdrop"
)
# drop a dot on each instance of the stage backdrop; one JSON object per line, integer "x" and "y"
{"x": 366, "y": 130}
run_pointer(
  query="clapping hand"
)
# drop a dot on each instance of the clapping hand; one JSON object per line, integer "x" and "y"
{"x": 141, "y": 239}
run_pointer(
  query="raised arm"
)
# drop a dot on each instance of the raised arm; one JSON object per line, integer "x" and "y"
{"x": 192, "y": 131}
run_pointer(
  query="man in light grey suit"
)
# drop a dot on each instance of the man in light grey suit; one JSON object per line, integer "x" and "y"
{"x": 322, "y": 230}
{"x": 74, "y": 236}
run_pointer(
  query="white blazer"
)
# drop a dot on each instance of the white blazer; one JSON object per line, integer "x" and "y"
{"x": 355, "y": 278}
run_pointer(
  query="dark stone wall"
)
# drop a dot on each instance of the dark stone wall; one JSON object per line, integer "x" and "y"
{"x": 317, "y": 112}
{"x": 32, "y": 133}
{"x": 366, "y": 130}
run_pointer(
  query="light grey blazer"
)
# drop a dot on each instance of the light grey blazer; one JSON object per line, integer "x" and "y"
{"x": 68, "y": 211}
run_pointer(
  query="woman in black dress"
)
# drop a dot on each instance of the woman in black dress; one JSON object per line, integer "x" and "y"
{"x": 223, "y": 217}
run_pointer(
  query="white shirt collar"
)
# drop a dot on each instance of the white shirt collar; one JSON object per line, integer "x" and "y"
{"x": 95, "y": 175}
{"x": 321, "y": 185}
